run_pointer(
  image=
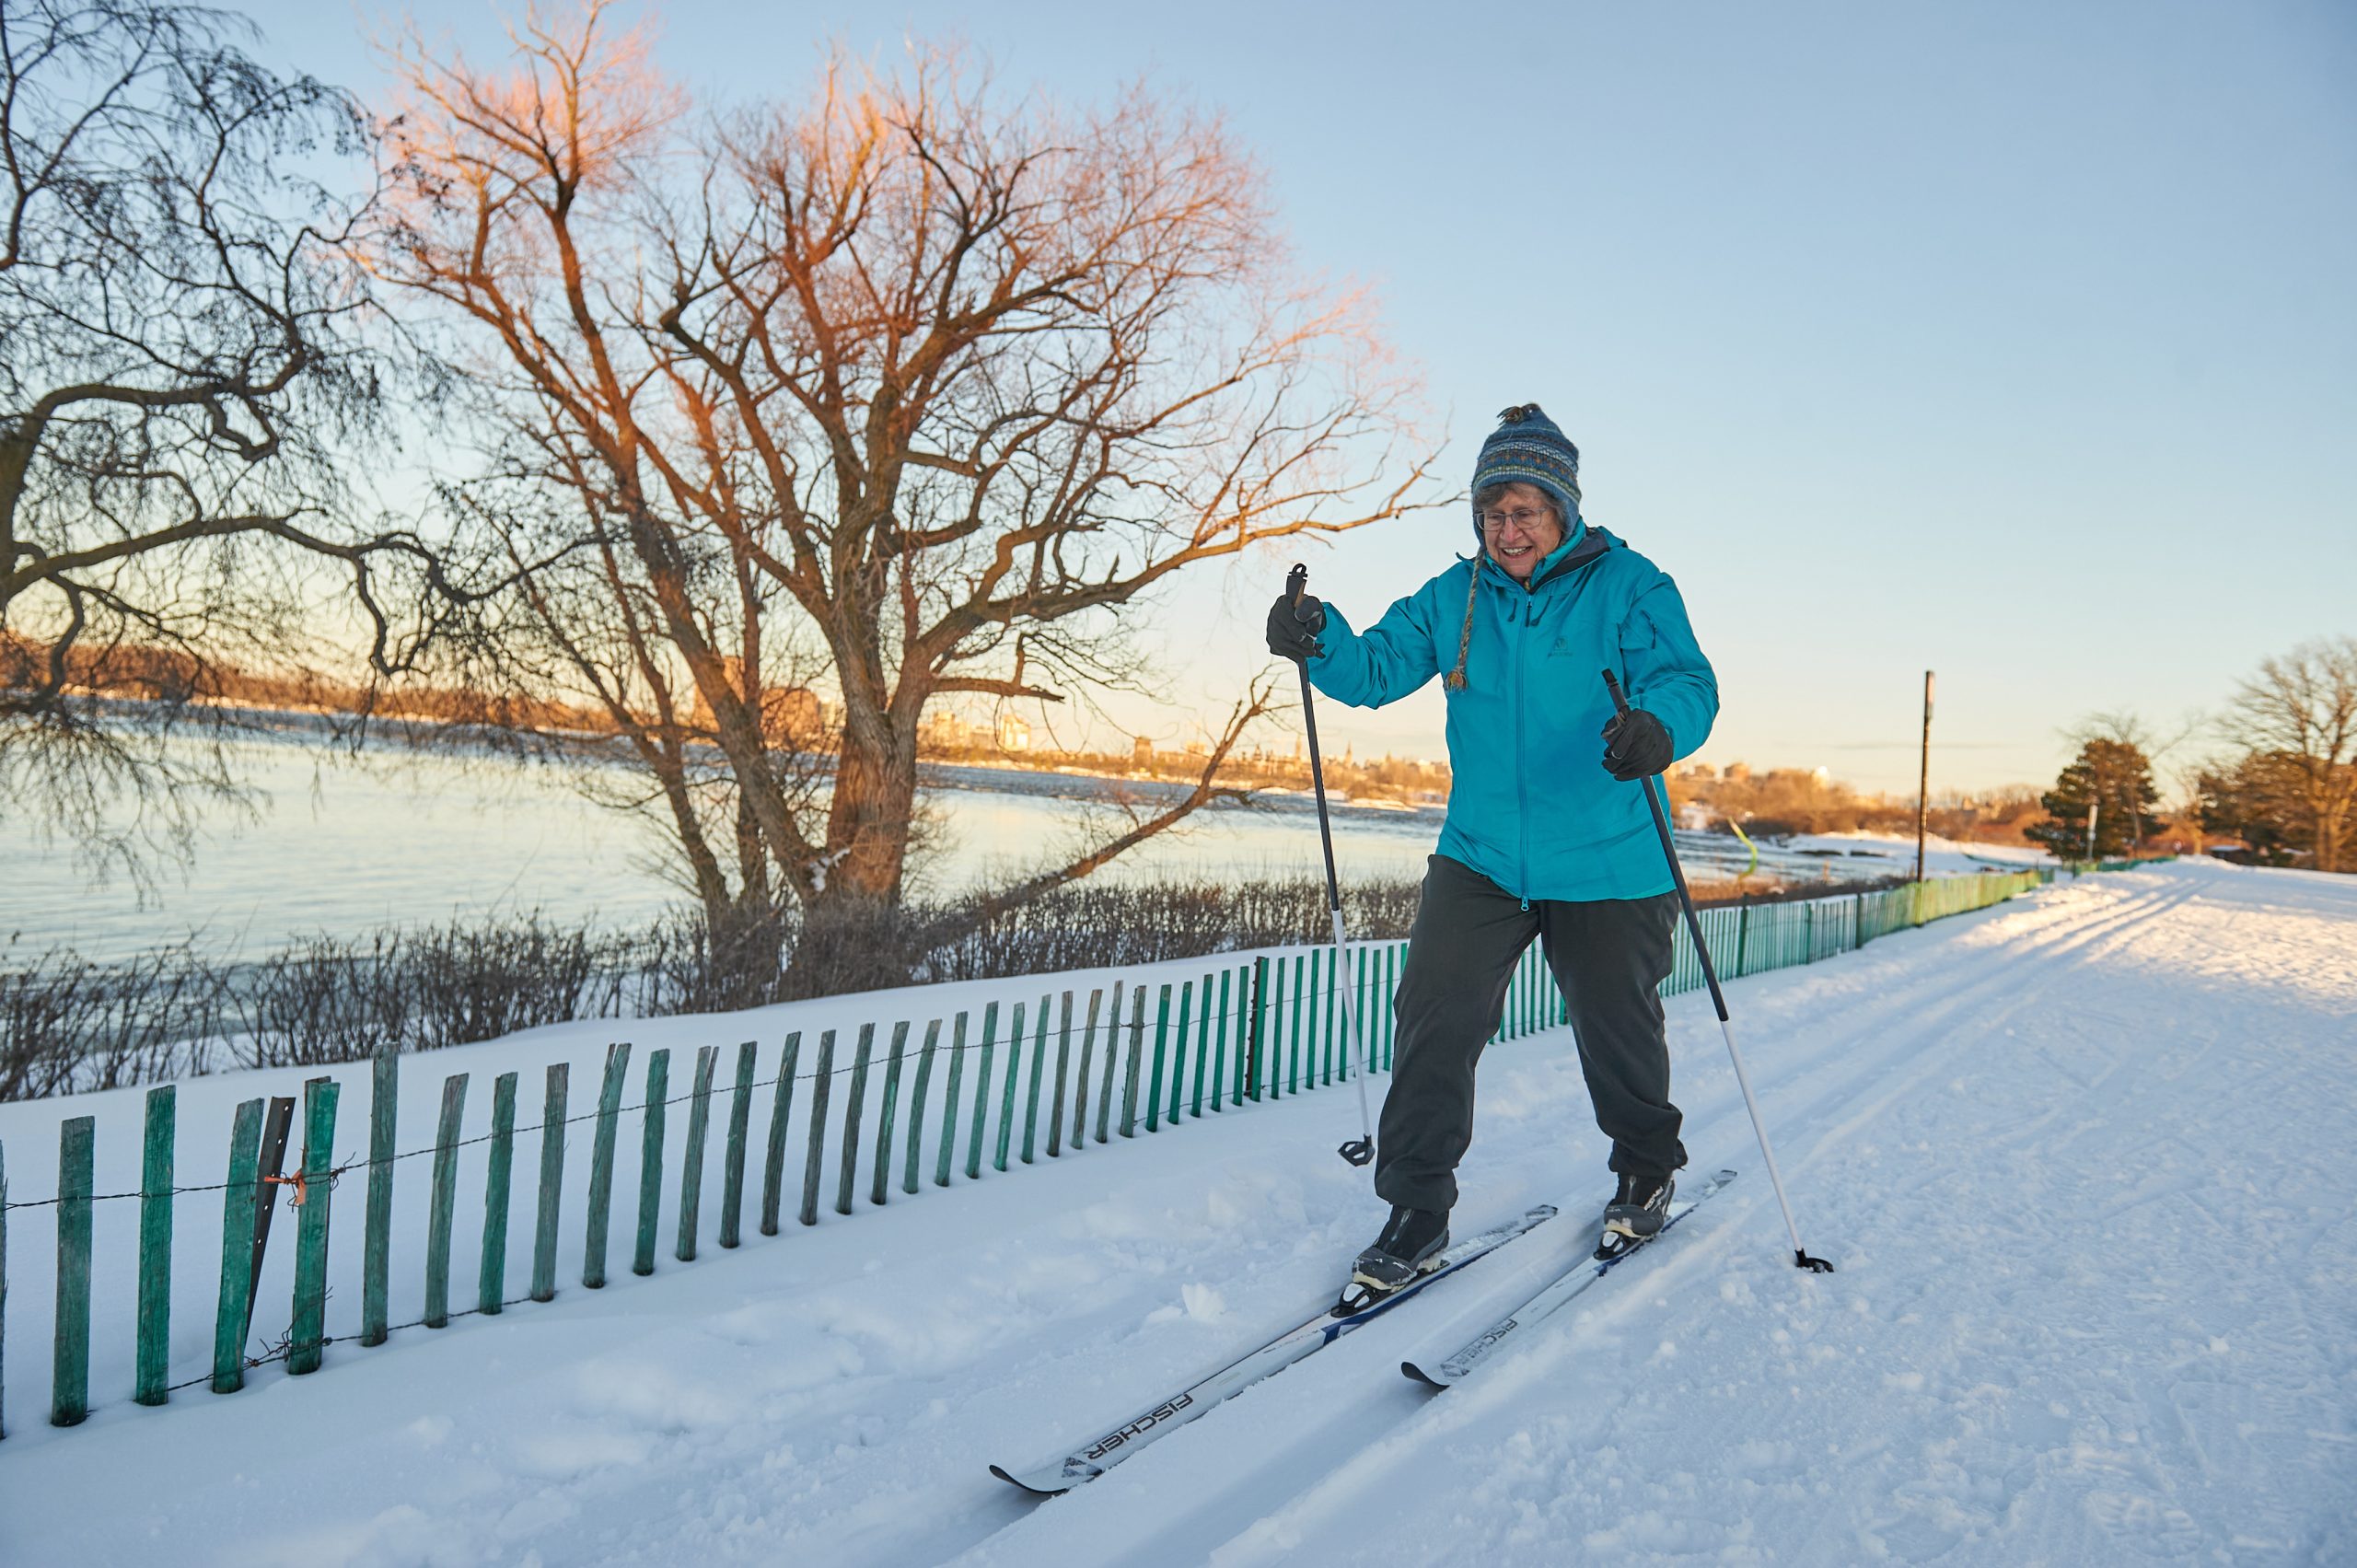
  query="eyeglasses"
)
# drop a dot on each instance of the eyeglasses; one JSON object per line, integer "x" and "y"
{"x": 1523, "y": 518}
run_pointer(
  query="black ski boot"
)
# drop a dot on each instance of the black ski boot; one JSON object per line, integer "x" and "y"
{"x": 1410, "y": 1244}
{"x": 1636, "y": 1212}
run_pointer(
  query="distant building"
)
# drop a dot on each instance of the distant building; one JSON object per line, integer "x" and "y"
{"x": 1014, "y": 734}
{"x": 1736, "y": 772}
{"x": 1142, "y": 752}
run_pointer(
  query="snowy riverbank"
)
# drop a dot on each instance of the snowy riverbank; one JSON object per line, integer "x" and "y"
{"x": 2082, "y": 1160}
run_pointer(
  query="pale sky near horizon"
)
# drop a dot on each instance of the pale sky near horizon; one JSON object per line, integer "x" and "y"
{"x": 2013, "y": 341}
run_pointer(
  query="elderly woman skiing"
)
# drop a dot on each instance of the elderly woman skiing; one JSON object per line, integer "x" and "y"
{"x": 1547, "y": 836}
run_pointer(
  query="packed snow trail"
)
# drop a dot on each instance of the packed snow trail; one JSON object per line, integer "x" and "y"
{"x": 2087, "y": 1164}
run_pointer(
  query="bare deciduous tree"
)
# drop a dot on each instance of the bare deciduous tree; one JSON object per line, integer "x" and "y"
{"x": 2299, "y": 713}
{"x": 903, "y": 389}
{"x": 184, "y": 374}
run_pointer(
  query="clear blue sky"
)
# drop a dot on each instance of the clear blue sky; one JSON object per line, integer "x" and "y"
{"x": 2014, "y": 340}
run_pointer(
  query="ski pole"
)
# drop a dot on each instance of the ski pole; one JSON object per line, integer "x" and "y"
{"x": 1359, "y": 1150}
{"x": 1718, "y": 999}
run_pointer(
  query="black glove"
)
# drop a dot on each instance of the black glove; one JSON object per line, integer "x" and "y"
{"x": 1637, "y": 746}
{"x": 1293, "y": 625}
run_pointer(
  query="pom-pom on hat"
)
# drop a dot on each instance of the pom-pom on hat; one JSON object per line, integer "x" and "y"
{"x": 1527, "y": 449}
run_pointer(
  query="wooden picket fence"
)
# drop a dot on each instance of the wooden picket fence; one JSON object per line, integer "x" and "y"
{"x": 1254, "y": 1028}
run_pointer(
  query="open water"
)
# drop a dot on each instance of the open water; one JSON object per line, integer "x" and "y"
{"x": 347, "y": 847}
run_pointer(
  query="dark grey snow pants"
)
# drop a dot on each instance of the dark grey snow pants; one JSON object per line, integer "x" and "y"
{"x": 1608, "y": 956}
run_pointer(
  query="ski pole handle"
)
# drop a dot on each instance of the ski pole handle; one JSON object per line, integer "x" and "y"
{"x": 1620, "y": 698}
{"x": 1296, "y": 582}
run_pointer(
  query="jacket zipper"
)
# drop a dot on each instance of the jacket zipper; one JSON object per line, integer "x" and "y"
{"x": 1528, "y": 612}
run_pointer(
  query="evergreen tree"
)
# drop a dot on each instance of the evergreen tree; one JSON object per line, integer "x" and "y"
{"x": 2117, "y": 779}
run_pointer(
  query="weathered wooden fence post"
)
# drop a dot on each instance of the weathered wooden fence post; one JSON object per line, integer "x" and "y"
{"x": 1219, "y": 1051}
{"x": 916, "y": 1109}
{"x": 1063, "y": 1064}
{"x": 887, "y": 1112}
{"x": 1137, "y": 1058}
{"x": 601, "y": 1167}
{"x": 949, "y": 1102}
{"x": 1080, "y": 1088}
{"x": 1031, "y": 1101}
{"x": 781, "y": 1114}
{"x": 1112, "y": 1059}
{"x": 444, "y": 1203}
{"x": 69, "y": 1386}
{"x": 741, "y": 1121}
{"x": 691, "y": 1157}
{"x": 821, "y": 1088}
{"x": 238, "y": 1198}
{"x": 981, "y": 1094}
{"x": 277, "y": 1125}
{"x": 850, "y": 1172}
{"x": 1006, "y": 1105}
{"x": 308, "y": 1337}
{"x": 155, "y": 1248}
{"x": 377, "y": 1242}
{"x": 1161, "y": 1048}
{"x": 491, "y": 1271}
{"x": 650, "y": 1160}
{"x": 552, "y": 1113}
{"x": 1202, "y": 1052}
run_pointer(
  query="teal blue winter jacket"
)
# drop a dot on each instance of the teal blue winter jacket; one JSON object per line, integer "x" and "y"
{"x": 1530, "y": 806}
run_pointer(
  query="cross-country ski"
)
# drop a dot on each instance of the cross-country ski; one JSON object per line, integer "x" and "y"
{"x": 1111, "y": 1447}
{"x": 1501, "y": 1336}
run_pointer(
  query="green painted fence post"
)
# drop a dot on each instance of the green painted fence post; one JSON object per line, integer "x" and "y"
{"x": 601, "y": 1167}
{"x": 1179, "y": 1050}
{"x": 949, "y": 1102}
{"x": 444, "y": 1203}
{"x": 1292, "y": 1056}
{"x": 156, "y": 1248}
{"x": 887, "y": 1113}
{"x": 982, "y": 1092}
{"x": 822, "y": 1088}
{"x": 916, "y": 1107}
{"x": 1273, "y": 1056}
{"x": 741, "y": 1121}
{"x": 69, "y": 1386}
{"x": 1080, "y": 1090}
{"x": 781, "y": 1113}
{"x": 650, "y": 1160}
{"x": 1031, "y": 1101}
{"x": 691, "y": 1157}
{"x": 377, "y": 1243}
{"x": 239, "y": 1194}
{"x": 308, "y": 1337}
{"x": 1219, "y": 1049}
{"x": 850, "y": 1117}
{"x": 491, "y": 1271}
{"x": 1248, "y": 1043}
{"x": 552, "y": 1106}
{"x": 1063, "y": 1066}
{"x": 1161, "y": 1045}
{"x": 1203, "y": 1049}
{"x": 1006, "y": 1105}
{"x": 1136, "y": 1056}
{"x": 1112, "y": 1056}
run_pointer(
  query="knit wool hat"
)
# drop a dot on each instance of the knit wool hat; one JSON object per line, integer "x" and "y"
{"x": 1527, "y": 449}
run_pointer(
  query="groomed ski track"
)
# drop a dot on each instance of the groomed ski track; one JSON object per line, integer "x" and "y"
{"x": 2087, "y": 1164}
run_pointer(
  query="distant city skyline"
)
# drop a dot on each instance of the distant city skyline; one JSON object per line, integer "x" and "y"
{"x": 2013, "y": 341}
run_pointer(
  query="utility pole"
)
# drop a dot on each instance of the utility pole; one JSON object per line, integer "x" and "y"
{"x": 2093, "y": 807}
{"x": 1923, "y": 780}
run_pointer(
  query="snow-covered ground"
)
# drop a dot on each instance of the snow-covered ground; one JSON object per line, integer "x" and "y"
{"x": 2083, "y": 1161}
